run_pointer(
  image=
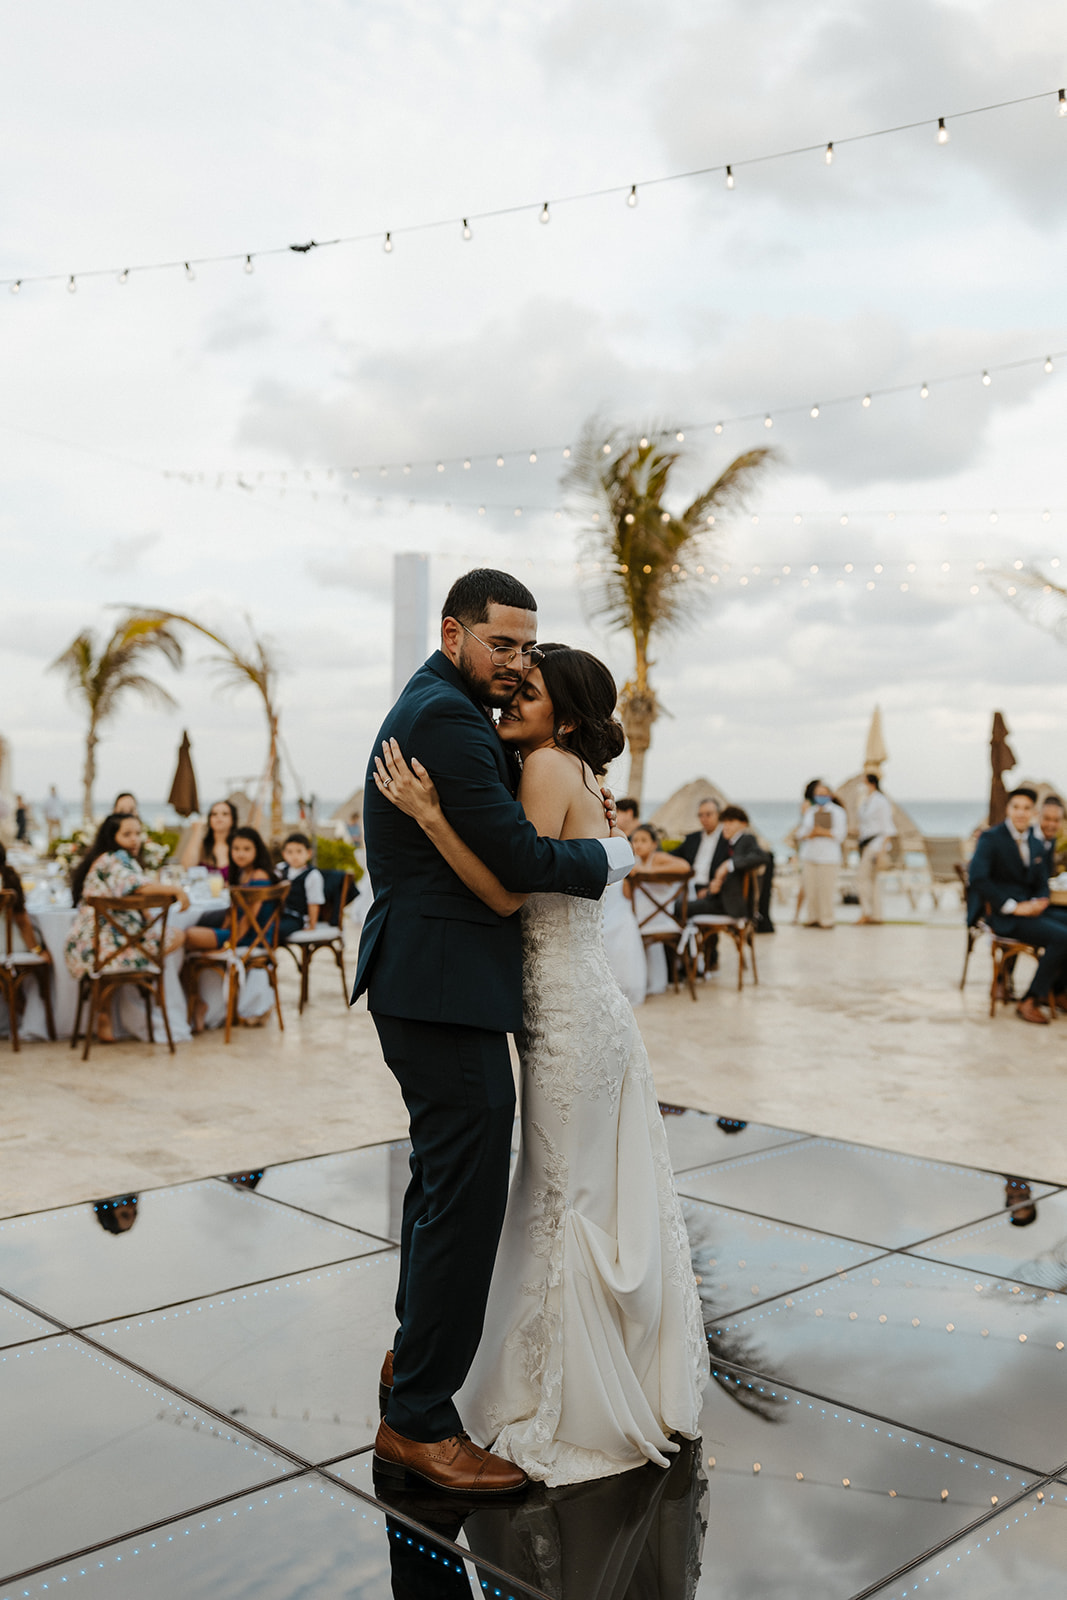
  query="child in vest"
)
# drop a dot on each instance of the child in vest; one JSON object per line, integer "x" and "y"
{"x": 307, "y": 892}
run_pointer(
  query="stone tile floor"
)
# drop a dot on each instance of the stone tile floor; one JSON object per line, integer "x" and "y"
{"x": 188, "y": 1393}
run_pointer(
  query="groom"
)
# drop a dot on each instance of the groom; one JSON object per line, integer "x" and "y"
{"x": 443, "y": 976}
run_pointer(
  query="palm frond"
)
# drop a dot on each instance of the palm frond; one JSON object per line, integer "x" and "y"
{"x": 1035, "y": 597}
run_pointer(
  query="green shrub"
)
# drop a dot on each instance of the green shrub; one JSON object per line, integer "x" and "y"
{"x": 337, "y": 855}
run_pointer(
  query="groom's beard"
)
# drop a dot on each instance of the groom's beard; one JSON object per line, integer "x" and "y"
{"x": 497, "y": 691}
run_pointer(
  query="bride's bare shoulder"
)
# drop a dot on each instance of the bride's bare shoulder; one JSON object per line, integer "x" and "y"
{"x": 557, "y": 767}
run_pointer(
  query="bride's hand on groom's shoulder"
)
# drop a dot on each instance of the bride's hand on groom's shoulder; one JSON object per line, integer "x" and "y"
{"x": 409, "y": 788}
{"x": 610, "y": 811}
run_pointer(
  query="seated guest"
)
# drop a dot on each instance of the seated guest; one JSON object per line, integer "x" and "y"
{"x": 250, "y": 868}
{"x": 822, "y": 830}
{"x": 9, "y": 879}
{"x": 110, "y": 868}
{"x": 307, "y": 890}
{"x": 726, "y": 895}
{"x": 1009, "y": 874}
{"x": 209, "y": 844}
{"x": 125, "y": 805}
{"x": 705, "y": 850}
{"x": 650, "y": 859}
{"x": 627, "y": 814}
{"x": 1051, "y": 834}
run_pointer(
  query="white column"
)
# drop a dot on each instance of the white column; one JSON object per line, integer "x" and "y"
{"x": 411, "y": 615}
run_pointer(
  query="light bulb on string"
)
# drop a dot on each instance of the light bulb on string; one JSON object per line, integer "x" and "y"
{"x": 566, "y": 452}
{"x": 606, "y": 450}
{"x": 466, "y": 229}
{"x": 72, "y": 287}
{"x": 986, "y": 379}
{"x": 387, "y": 244}
{"x": 631, "y": 198}
{"x": 924, "y": 392}
{"x": 866, "y": 400}
{"x": 1048, "y": 363}
{"x": 643, "y": 443}
{"x": 942, "y": 131}
{"x": 829, "y": 156}
{"x": 544, "y": 217}
{"x": 500, "y": 461}
{"x": 798, "y": 519}
{"x": 407, "y": 469}
{"x": 466, "y": 465}
{"x": 248, "y": 264}
{"x": 533, "y": 456}
{"x": 680, "y": 436}
{"x": 814, "y": 412}
{"x": 718, "y": 427}
{"x": 768, "y": 421}
{"x": 124, "y": 275}
{"x": 189, "y": 273}
{"x": 355, "y": 472}
{"x": 1061, "y": 108}
{"x": 16, "y": 286}
{"x": 729, "y": 177}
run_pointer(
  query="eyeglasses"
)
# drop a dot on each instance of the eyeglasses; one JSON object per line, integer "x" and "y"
{"x": 503, "y": 655}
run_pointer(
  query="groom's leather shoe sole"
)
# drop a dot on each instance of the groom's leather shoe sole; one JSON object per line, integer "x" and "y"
{"x": 385, "y": 1383}
{"x": 456, "y": 1465}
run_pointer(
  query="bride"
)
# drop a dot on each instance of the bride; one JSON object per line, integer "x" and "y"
{"x": 593, "y": 1351}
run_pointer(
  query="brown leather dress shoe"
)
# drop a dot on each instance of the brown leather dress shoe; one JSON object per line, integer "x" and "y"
{"x": 457, "y": 1465}
{"x": 385, "y": 1383}
{"x": 1031, "y": 1011}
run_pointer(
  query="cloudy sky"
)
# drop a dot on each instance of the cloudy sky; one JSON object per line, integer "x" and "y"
{"x": 137, "y": 134}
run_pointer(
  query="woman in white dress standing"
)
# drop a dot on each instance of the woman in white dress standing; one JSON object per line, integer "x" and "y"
{"x": 593, "y": 1352}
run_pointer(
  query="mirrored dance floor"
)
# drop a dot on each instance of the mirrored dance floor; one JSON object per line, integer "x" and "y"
{"x": 188, "y": 1394}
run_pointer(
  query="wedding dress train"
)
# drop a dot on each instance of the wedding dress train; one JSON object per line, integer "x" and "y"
{"x": 593, "y": 1351}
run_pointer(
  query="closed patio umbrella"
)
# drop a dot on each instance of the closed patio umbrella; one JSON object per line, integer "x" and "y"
{"x": 183, "y": 796}
{"x": 1002, "y": 759}
{"x": 876, "y": 754}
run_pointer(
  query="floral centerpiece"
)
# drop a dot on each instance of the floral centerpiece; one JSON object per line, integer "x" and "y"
{"x": 70, "y": 849}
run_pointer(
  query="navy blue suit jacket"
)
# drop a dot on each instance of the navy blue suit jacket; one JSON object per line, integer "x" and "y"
{"x": 430, "y": 949}
{"x": 997, "y": 873}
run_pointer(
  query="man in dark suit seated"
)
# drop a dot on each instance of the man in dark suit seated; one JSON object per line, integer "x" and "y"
{"x": 705, "y": 851}
{"x": 743, "y": 853}
{"x": 1009, "y": 874}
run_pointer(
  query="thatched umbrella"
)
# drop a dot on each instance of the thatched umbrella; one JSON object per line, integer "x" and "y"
{"x": 1002, "y": 759}
{"x": 183, "y": 796}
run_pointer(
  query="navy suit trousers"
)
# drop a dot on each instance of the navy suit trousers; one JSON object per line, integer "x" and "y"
{"x": 458, "y": 1087}
{"x": 1050, "y": 930}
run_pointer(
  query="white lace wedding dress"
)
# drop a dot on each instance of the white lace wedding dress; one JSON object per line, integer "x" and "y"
{"x": 593, "y": 1351}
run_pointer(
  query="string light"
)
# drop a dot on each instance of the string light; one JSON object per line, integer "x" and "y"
{"x": 248, "y": 264}
{"x": 189, "y": 273}
{"x": 533, "y": 456}
{"x": 829, "y": 154}
{"x": 768, "y": 421}
{"x": 627, "y": 190}
{"x": 467, "y": 234}
{"x": 71, "y": 285}
{"x": 1048, "y": 363}
{"x": 814, "y": 412}
{"x": 924, "y": 392}
{"x": 680, "y": 436}
{"x": 986, "y": 379}
{"x": 466, "y": 466}
{"x": 866, "y": 400}
{"x": 16, "y": 286}
{"x": 388, "y": 244}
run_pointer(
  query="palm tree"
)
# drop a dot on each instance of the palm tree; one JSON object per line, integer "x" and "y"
{"x": 642, "y": 561}
{"x": 236, "y": 669}
{"x": 99, "y": 676}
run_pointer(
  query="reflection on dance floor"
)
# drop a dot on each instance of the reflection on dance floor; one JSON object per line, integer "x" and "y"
{"x": 188, "y": 1382}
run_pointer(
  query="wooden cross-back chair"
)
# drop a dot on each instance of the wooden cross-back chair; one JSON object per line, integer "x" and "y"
{"x": 16, "y": 966}
{"x": 255, "y": 911}
{"x": 112, "y": 915}
{"x": 742, "y": 930}
{"x": 647, "y": 908}
{"x": 303, "y": 944}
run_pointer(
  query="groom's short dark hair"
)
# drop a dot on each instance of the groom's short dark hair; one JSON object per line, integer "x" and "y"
{"x": 470, "y": 597}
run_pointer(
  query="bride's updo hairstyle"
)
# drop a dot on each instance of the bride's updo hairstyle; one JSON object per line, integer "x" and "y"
{"x": 583, "y": 694}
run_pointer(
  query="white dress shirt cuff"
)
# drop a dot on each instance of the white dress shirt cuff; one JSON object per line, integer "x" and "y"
{"x": 620, "y": 858}
{"x": 1008, "y": 908}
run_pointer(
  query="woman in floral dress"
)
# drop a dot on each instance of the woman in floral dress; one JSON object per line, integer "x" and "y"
{"x": 110, "y": 867}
